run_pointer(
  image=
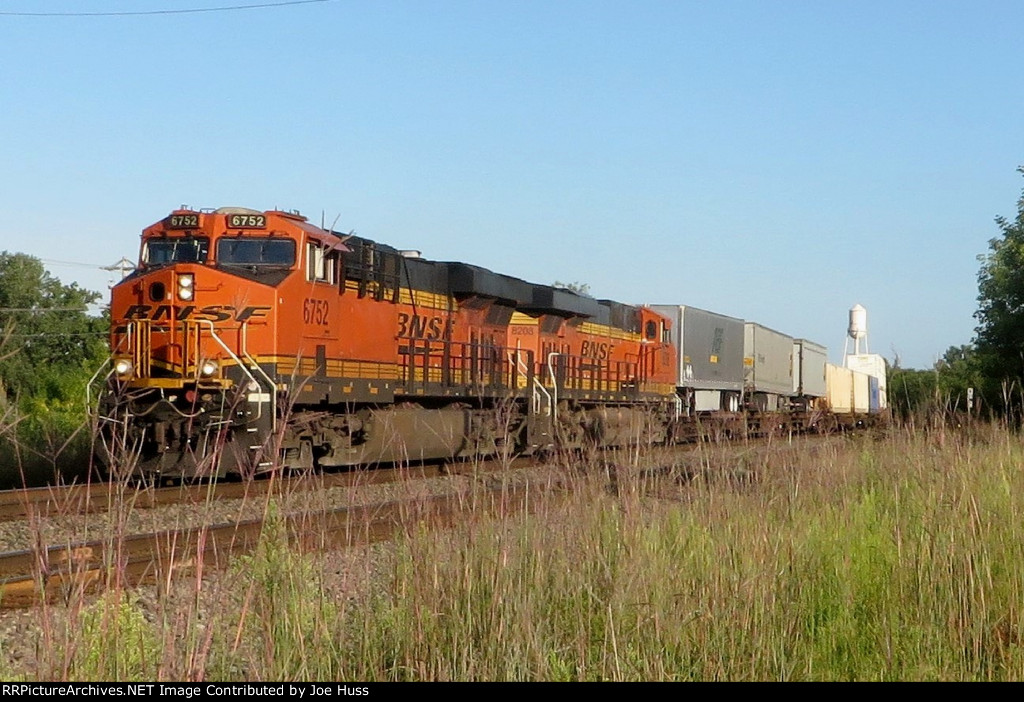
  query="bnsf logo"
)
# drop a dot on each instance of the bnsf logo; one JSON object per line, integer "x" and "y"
{"x": 212, "y": 313}
{"x": 417, "y": 327}
{"x": 597, "y": 350}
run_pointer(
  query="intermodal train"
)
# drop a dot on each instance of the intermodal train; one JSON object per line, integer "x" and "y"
{"x": 247, "y": 341}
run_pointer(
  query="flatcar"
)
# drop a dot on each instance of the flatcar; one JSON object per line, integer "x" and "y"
{"x": 247, "y": 341}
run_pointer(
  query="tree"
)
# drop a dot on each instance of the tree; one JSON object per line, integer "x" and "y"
{"x": 47, "y": 326}
{"x": 578, "y": 288}
{"x": 956, "y": 371}
{"x": 1000, "y": 332}
{"x": 943, "y": 388}
{"x": 910, "y": 391}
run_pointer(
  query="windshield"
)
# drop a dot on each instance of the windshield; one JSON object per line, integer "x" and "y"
{"x": 188, "y": 249}
{"x": 249, "y": 251}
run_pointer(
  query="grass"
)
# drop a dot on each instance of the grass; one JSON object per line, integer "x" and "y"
{"x": 895, "y": 558}
{"x": 40, "y": 442}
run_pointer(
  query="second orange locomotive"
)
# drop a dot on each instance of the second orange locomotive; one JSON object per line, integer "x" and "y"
{"x": 249, "y": 340}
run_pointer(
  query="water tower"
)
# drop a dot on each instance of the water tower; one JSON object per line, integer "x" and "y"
{"x": 858, "y": 330}
{"x": 862, "y": 361}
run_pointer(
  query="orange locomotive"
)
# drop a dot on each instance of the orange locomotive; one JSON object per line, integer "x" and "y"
{"x": 246, "y": 341}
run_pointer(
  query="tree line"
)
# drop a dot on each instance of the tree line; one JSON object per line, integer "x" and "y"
{"x": 992, "y": 365}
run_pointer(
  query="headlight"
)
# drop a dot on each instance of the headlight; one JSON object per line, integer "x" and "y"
{"x": 208, "y": 368}
{"x": 123, "y": 366}
{"x": 186, "y": 286}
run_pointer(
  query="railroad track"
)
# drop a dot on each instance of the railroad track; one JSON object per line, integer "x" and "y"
{"x": 68, "y": 500}
{"x": 59, "y": 572}
{"x": 65, "y": 500}
{"x": 29, "y": 576}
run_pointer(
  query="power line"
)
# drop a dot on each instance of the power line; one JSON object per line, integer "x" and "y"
{"x": 72, "y": 263}
{"x": 130, "y": 13}
{"x": 79, "y": 308}
{"x": 48, "y": 335}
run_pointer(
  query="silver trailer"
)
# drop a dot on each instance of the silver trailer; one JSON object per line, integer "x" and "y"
{"x": 710, "y": 348}
{"x": 768, "y": 366}
{"x": 809, "y": 361}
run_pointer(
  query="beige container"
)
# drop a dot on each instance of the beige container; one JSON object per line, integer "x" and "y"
{"x": 874, "y": 365}
{"x": 861, "y": 392}
{"x": 839, "y": 388}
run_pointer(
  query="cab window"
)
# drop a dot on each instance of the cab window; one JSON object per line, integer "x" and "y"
{"x": 321, "y": 263}
{"x": 156, "y": 252}
{"x": 256, "y": 251}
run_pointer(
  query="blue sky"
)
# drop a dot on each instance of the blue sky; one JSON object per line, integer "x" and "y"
{"x": 775, "y": 161}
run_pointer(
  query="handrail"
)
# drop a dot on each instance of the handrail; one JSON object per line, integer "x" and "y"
{"x": 537, "y": 385}
{"x": 554, "y": 388}
{"x": 235, "y": 358}
{"x": 270, "y": 381}
{"x": 107, "y": 360}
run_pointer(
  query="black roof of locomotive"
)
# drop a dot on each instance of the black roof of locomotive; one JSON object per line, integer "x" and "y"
{"x": 464, "y": 280}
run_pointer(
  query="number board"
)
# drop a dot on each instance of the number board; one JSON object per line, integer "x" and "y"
{"x": 183, "y": 221}
{"x": 247, "y": 221}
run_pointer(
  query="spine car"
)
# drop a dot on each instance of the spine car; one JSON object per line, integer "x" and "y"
{"x": 246, "y": 341}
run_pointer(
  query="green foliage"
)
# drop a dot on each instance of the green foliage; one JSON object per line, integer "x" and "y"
{"x": 578, "y": 288}
{"x": 994, "y": 364}
{"x": 290, "y": 622}
{"x": 1000, "y": 315}
{"x": 958, "y": 370}
{"x": 114, "y": 641}
{"x": 943, "y": 388}
{"x": 49, "y": 348}
{"x": 856, "y": 559}
{"x": 887, "y": 561}
{"x": 911, "y": 391}
{"x": 46, "y": 325}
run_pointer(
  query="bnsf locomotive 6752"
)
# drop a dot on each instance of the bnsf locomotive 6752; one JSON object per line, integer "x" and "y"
{"x": 250, "y": 340}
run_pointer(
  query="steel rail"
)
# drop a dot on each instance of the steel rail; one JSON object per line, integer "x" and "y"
{"x": 58, "y": 572}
